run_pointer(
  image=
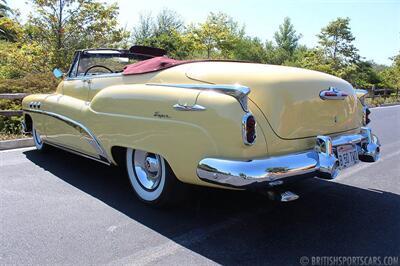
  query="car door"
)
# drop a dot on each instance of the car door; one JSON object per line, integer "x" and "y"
{"x": 64, "y": 125}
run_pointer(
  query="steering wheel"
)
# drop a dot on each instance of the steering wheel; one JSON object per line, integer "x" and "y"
{"x": 87, "y": 70}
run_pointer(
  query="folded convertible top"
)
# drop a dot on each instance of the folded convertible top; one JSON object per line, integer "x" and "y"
{"x": 151, "y": 65}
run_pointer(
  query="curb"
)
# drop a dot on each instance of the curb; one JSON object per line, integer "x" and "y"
{"x": 389, "y": 104}
{"x": 16, "y": 143}
{"x": 385, "y": 105}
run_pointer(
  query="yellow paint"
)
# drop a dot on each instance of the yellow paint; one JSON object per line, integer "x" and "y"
{"x": 124, "y": 111}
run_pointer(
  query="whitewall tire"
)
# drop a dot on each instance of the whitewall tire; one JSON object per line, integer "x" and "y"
{"x": 151, "y": 177}
{"x": 38, "y": 140}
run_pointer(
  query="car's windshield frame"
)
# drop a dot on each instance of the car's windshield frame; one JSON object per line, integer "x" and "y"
{"x": 101, "y": 53}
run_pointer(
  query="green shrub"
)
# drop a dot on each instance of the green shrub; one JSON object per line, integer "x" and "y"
{"x": 31, "y": 83}
{"x": 10, "y": 125}
{"x": 377, "y": 101}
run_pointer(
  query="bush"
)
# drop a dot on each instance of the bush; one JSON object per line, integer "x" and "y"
{"x": 377, "y": 101}
{"x": 30, "y": 83}
{"x": 10, "y": 125}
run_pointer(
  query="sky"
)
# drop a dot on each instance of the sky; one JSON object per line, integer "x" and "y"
{"x": 374, "y": 23}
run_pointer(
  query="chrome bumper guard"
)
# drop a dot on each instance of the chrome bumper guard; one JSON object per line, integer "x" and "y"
{"x": 322, "y": 161}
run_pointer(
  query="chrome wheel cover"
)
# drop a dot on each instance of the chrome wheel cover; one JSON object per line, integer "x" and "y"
{"x": 148, "y": 169}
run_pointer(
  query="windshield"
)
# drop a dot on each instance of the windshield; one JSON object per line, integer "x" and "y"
{"x": 97, "y": 62}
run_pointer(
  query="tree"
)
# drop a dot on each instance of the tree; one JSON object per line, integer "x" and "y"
{"x": 390, "y": 77}
{"x": 286, "y": 37}
{"x": 336, "y": 40}
{"x": 5, "y": 10}
{"x": 144, "y": 31}
{"x": 168, "y": 22}
{"x": 249, "y": 49}
{"x": 365, "y": 76}
{"x": 63, "y": 26}
{"x": 10, "y": 29}
{"x": 337, "y": 55}
{"x": 163, "y": 31}
{"x": 217, "y": 36}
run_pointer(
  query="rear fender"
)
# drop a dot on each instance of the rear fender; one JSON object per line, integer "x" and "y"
{"x": 143, "y": 117}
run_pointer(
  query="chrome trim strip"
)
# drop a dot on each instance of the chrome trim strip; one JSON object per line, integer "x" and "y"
{"x": 184, "y": 107}
{"x": 68, "y": 149}
{"x": 90, "y": 137}
{"x": 91, "y": 77}
{"x": 239, "y": 92}
{"x": 278, "y": 170}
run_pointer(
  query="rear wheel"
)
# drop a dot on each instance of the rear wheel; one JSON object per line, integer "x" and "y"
{"x": 152, "y": 178}
{"x": 38, "y": 140}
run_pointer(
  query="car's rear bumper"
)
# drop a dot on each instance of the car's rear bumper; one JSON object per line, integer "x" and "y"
{"x": 322, "y": 161}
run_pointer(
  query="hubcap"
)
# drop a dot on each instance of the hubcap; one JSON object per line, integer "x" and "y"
{"x": 147, "y": 168}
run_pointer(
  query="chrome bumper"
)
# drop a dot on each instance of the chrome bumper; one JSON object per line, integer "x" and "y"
{"x": 322, "y": 161}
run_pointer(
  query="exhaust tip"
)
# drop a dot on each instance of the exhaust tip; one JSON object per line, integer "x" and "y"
{"x": 288, "y": 196}
{"x": 285, "y": 196}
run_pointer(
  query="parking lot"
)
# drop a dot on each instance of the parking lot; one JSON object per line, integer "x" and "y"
{"x": 58, "y": 208}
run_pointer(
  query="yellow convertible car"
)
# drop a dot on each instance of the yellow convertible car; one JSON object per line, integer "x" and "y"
{"x": 225, "y": 124}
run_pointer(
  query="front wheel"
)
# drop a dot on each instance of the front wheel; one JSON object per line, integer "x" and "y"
{"x": 152, "y": 178}
{"x": 38, "y": 140}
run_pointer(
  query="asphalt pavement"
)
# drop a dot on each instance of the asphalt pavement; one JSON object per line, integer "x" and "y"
{"x": 59, "y": 208}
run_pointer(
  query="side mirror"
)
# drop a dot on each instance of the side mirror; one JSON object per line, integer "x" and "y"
{"x": 58, "y": 73}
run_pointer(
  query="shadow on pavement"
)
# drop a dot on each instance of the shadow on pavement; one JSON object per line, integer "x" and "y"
{"x": 329, "y": 219}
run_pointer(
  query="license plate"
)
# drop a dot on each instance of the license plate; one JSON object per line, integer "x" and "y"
{"x": 347, "y": 156}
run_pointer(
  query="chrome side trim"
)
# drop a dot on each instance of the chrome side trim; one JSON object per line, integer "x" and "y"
{"x": 86, "y": 133}
{"x": 71, "y": 150}
{"x": 239, "y": 92}
{"x": 322, "y": 161}
{"x": 91, "y": 77}
{"x": 184, "y": 107}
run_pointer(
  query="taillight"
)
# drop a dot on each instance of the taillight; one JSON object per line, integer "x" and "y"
{"x": 249, "y": 129}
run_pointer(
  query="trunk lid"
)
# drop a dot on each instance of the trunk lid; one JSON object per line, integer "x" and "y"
{"x": 288, "y": 97}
